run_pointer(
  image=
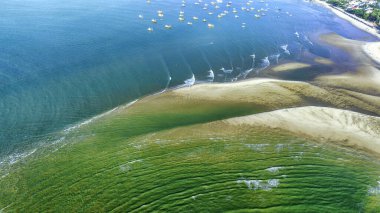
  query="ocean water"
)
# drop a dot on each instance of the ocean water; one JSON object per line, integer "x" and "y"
{"x": 62, "y": 62}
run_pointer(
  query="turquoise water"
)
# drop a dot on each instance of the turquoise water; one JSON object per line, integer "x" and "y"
{"x": 62, "y": 62}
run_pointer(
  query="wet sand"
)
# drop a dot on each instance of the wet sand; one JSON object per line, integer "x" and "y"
{"x": 290, "y": 66}
{"x": 279, "y": 94}
{"x": 364, "y": 78}
{"x": 323, "y": 61}
{"x": 372, "y": 49}
{"x": 340, "y": 108}
{"x": 323, "y": 124}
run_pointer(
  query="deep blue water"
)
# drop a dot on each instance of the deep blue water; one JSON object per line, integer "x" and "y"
{"x": 62, "y": 62}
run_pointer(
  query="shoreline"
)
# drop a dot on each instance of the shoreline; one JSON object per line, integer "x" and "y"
{"x": 356, "y": 21}
{"x": 325, "y": 124}
{"x": 364, "y": 78}
{"x": 372, "y": 50}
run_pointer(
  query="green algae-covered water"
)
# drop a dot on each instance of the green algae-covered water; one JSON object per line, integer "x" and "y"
{"x": 238, "y": 170}
{"x": 172, "y": 160}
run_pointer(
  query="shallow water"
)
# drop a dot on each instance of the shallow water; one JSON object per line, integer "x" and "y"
{"x": 239, "y": 169}
{"x": 62, "y": 62}
{"x": 172, "y": 152}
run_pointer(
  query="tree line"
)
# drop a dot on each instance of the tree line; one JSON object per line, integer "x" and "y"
{"x": 373, "y": 16}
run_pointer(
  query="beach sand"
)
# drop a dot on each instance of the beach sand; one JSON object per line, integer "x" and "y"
{"x": 279, "y": 94}
{"x": 372, "y": 49}
{"x": 365, "y": 77}
{"x": 323, "y": 61}
{"x": 323, "y": 124}
{"x": 290, "y": 67}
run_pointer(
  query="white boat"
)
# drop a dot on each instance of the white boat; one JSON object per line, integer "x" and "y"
{"x": 227, "y": 71}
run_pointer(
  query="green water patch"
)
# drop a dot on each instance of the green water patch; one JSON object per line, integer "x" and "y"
{"x": 162, "y": 154}
{"x": 152, "y": 114}
{"x": 210, "y": 167}
{"x": 167, "y": 111}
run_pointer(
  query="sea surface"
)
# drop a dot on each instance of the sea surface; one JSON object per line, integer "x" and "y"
{"x": 64, "y": 62}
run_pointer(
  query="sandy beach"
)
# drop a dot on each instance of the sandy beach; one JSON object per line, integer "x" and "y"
{"x": 373, "y": 51}
{"x": 290, "y": 67}
{"x": 323, "y": 124}
{"x": 276, "y": 94}
{"x": 324, "y": 61}
{"x": 361, "y": 24}
{"x": 365, "y": 77}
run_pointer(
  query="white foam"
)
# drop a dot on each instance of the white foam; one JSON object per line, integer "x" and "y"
{"x": 135, "y": 161}
{"x": 211, "y": 75}
{"x": 260, "y": 184}
{"x": 257, "y": 147}
{"x": 374, "y": 190}
{"x": 297, "y": 157}
{"x": 280, "y": 147}
{"x": 273, "y": 169}
{"x": 76, "y": 126}
{"x": 308, "y": 40}
{"x": 168, "y": 83}
{"x": 245, "y": 73}
{"x": 285, "y": 49}
{"x": 265, "y": 63}
{"x": 128, "y": 166}
{"x": 274, "y": 58}
{"x": 251, "y": 184}
{"x": 59, "y": 140}
{"x": 273, "y": 182}
{"x": 190, "y": 82}
{"x": 124, "y": 168}
{"x": 88, "y": 121}
{"x": 227, "y": 71}
{"x": 16, "y": 157}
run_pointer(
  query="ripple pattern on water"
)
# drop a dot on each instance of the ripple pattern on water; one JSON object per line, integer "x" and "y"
{"x": 211, "y": 171}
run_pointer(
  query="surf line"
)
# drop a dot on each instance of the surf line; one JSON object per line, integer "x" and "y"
{"x": 76, "y": 126}
{"x": 16, "y": 157}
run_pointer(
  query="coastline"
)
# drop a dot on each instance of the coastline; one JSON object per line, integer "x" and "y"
{"x": 371, "y": 49}
{"x": 364, "y": 78}
{"x": 361, "y": 24}
{"x": 326, "y": 124}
